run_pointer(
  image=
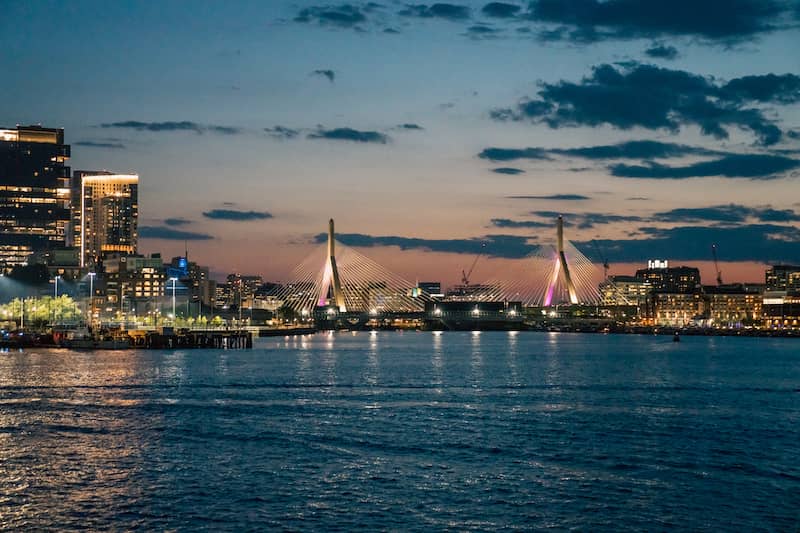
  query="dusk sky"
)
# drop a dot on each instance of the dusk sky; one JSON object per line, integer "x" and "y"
{"x": 656, "y": 128}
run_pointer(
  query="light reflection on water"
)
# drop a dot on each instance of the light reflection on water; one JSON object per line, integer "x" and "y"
{"x": 416, "y": 431}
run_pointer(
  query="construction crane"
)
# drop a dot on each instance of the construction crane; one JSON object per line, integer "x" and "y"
{"x": 465, "y": 275}
{"x": 716, "y": 264}
{"x": 602, "y": 258}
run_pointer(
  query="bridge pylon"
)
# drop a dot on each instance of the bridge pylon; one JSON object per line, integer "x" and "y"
{"x": 331, "y": 281}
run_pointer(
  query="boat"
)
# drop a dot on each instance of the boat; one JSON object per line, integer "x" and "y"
{"x": 82, "y": 339}
{"x": 676, "y": 337}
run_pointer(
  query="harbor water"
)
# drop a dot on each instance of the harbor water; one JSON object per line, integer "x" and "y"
{"x": 415, "y": 431}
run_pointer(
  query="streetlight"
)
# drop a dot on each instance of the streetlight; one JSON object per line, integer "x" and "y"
{"x": 55, "y": 297}
{"x": 174, "y": 281}
{"x": 91, "y": 297}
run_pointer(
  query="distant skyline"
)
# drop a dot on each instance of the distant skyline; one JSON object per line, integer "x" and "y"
{"x": 425, "y": 129}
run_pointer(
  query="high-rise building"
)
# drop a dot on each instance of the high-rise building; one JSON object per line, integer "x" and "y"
{"x": 664, "y": 278}
{"x": 783, "y": 278}
{"x": 34, "y": 193}
{"x": 105, "y": 214}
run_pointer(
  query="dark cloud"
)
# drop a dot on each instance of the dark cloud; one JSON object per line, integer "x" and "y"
{"x": 409, "y": 126}
{"x": 725, "y": 21}
{"x": 508, "y": 223}
{"x": 793, "y": 134}
{"x": 173, "y": 126}
{"x": 752, "y": 166}
{"x": 349, "y": 134}
{"x": 624, "y": 150}
{"x": 100, "y": 144}
{"x": 732, "y": 213}
{"x": 662, "y": 51}
{"x": 508, "y": 246}
{"x": 160, "y": 232}
{"x": 753, "y": 242}
{"x": 557, "y": 197}
{"x": 438, "y": 10}
{"x": 511, "y": 154}
{"x": 482, "y": 31}
{"x": 326, "y": 73}
{"x": 236, "y": 215}
{"x": 342, "y": 16}
{"x": 587, "y": 220}
{"x": 176, "y": 221}
{"x": 282, "y": 132}
{"x": 651, "y": 97}
{"x": 769, "y": 88}
{"x": 500, "y": 10}
{"x": 508, "y": 170}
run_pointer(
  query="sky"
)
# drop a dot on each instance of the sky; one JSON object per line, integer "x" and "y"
{"x": 430, "y": 132}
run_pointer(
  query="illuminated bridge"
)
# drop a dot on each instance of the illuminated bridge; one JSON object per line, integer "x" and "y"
{"x": 338, "y": 280}
{"x": 347, "y": 282}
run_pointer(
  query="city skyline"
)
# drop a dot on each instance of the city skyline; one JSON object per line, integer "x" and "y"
{"x": 430, "y": 127}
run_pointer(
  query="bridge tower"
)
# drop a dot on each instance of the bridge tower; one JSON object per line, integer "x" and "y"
{"x": 561, "y": 269}
{"x": 331, "y": 282}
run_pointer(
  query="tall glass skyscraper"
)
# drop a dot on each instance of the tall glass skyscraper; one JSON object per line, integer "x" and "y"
{"x": 34, "y": 193}
{"x": 105, "y": 214}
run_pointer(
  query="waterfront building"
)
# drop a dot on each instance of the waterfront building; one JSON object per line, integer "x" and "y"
{"x": 198, "y": 291}
{"x": 781, "y": 310}
{"x": 663, "y": 278}
{"x": 134, "y": 283}
{"x": 783, "y": 278}
{"x": 624, "y": 291}
{"x": 680, "y": 309}
{"x": 105, "y": 214}
{"x": 735, "y": 306}
{"x": 34, "y": 193}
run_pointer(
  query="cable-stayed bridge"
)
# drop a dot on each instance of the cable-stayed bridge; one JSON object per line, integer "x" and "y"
{"x": 339, "y": 279}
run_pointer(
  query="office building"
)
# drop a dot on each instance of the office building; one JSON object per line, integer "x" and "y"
{"x": 105, "y": 213}
{"x": 34, "y": 193}
{"x": 663, "y": 278}
{"x": 783, "y": 278}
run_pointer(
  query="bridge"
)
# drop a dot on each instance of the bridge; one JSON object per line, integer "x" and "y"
{"x": 338, "y": 280}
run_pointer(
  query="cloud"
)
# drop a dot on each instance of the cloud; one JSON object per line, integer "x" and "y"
{"x": 160, "y": 232}
{"x": 508, "y": 246}
{"x": 173, "y": 126}
{"x": 753, "y": 242}
{"x": 500, "y": 10}
{"x": 656, "y": 98}
{"x": 587, "y": 220}
{"x": 511, "y": 154}
{"x": 99, "y": 144}
{"x": 282, "y": 132}
{"x": 508, "y": 170}
{"x": 661, "y": 51}
{"x": 176, "y": 221}
{"x": 731, "y": 213}
{"x": 508, "y": 223}
{"x": 769, "y": 88}
{"x": 556, "y": 197}
{"x": 623, "y": 150}
{"x": 440, "y": 10}
{"x": 482, "y": 31}
{"x": 409, "y": 126}
{"x": 349, "y": 134}
{"x": 236, "y": 215}
{"x": 752, "y": 166}
{"x": 341, "y": 16}
{"x": 723, "y": 21}
{"x": 325, "y": 73}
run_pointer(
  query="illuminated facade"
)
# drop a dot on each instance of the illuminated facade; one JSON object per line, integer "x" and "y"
{"x": 624, "y": 290}
{"x": 134, "y": 283}
{"x": 664, "y": 278}
{"x": 679, "y": 309}
{"x": 105, "y": 214}
{"x": 783, "y": 278}
{"x": 34, "y": 193}
{"x": 735, "y": 306}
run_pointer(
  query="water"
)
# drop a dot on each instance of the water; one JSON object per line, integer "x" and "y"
{"x": 407, "y": 431}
